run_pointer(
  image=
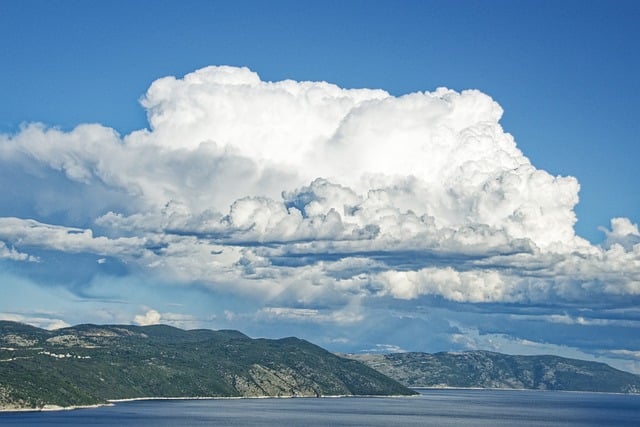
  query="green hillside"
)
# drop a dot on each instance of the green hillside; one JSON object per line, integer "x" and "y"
{"x": 90, "y": 364}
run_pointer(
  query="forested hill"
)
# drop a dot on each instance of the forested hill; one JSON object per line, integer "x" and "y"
{"x": 89, "y": 364}
{"x": 484, "y": 369}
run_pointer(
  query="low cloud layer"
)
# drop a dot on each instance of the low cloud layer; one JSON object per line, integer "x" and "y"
{"x": 312, "y": 200}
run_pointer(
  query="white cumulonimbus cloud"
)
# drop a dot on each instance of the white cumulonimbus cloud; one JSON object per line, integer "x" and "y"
{"x": 307, "y": 192}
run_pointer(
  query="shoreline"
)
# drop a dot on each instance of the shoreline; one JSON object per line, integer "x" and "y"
{"x": 520, "y": 389}
{"x": 54, "y": 408}
{"x": 113, "y": 402}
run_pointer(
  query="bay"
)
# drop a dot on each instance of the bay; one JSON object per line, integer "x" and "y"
{"x": 431, "y": 408}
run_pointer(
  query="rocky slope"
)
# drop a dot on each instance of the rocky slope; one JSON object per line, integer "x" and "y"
{"x": 89, "y": 364}
{"x": 483, "y": 369}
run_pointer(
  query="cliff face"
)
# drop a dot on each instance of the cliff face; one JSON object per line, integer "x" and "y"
{"x": 90, "y": 364}
{"x": 483, "y": 369}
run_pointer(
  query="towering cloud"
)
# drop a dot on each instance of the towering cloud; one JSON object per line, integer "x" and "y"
{"x": 441, "y": 154}
{"x": 306, "y": 193}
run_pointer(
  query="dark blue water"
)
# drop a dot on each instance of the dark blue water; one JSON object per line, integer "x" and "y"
{"x": 431, "y": 408}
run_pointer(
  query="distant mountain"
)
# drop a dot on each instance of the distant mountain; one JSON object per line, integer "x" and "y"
{"x": 484, "y": 369}
{"x": 90, "y": 364}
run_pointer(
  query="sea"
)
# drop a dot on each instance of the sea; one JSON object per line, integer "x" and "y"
{"x": 433, "y": 407}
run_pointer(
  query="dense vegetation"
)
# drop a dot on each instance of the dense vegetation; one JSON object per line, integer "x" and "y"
{"x": 483, "y": 369}
{"x": 90, "y": 364}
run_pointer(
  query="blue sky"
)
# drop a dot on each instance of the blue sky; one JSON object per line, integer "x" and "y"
{"x": 461, "y": 240}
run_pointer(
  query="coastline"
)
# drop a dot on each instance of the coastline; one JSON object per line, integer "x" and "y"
{"x": 52, "y": 408}
{"x": 520, "y": 389}
{"x": 112, "y": 402}
{"x": 330, "y": 396}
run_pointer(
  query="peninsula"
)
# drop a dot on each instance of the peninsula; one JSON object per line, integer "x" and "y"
{"x": 90, "y": 364}
{"x": 485, "y": 369}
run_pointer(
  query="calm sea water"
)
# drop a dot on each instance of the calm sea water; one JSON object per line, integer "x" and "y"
{"x": 431, "y": 408}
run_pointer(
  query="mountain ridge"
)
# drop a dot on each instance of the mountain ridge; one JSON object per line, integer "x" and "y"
{"x": 485, "y": 369}
{"x": 92, "y": 364}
